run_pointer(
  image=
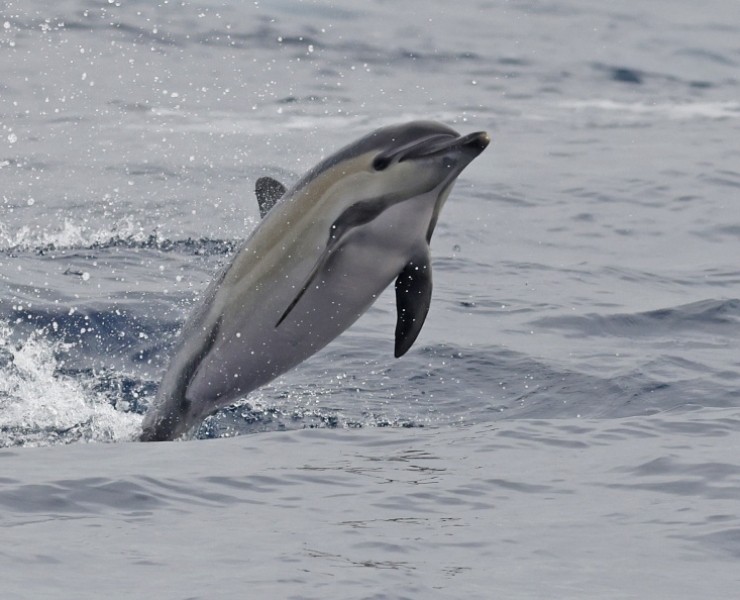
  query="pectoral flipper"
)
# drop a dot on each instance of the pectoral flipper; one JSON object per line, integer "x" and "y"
{"x": 413, "y": 296}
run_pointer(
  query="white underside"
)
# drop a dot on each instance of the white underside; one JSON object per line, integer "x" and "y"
{"x": 250, "y": 350}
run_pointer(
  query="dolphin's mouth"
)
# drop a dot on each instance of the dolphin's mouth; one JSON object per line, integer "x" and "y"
{"x": 433, "y": 145}
{"x": 442, "y": 144}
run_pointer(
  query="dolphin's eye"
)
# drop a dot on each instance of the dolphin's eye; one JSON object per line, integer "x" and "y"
{"x": 381, "y": 162}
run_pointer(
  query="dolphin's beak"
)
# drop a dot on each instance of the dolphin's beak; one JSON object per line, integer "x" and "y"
{"x": 439, "y": 144}
{"x": 477, "y": 141}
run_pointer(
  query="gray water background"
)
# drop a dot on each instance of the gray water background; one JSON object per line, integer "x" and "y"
{"x": 566, "y": 424}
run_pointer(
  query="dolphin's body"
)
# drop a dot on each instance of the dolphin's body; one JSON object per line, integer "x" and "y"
{"x": 320, "y": 257}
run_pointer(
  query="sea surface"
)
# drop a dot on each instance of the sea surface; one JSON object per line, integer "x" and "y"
{"x": 567, "y": 425}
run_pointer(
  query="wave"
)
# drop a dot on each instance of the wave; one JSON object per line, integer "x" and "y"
{"x": 71, "y": 236}
{"x": 719, "y": 316}
{"x": 668, "y": 110}
{"x": 47, "y": 397}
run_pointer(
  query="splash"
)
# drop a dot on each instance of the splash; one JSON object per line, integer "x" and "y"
{"x": 68, "y": 235}
{"x": 39, "y": 406}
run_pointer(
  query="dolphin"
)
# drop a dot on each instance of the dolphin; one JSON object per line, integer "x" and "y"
{"x": 324, "y": 251}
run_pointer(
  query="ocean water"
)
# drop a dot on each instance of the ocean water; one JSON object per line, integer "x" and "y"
{"x": 567, "y": 425}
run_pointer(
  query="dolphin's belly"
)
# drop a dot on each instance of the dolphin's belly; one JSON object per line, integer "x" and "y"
{"x": 251, "y": 348}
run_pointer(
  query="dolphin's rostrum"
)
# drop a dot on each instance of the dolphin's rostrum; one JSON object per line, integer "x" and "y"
{"x": 324, "y": 251}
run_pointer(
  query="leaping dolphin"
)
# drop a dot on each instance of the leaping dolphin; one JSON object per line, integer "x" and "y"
{"x": 324, "y": 251}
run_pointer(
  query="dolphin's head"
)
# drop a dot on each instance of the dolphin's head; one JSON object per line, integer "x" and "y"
{"x": 408, "y": 159}
{"x": 429, "y": 151}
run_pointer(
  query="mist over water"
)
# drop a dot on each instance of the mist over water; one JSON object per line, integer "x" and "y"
{"x": 577, "y": 379}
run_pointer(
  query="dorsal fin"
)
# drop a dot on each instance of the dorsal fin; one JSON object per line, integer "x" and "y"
{"x": 268, "y": 191}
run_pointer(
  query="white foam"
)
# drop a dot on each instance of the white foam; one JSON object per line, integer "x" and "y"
{"x": 681, "y": 111}
{"x": 67, "y": 235}
{"x": 39, "y": 407}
